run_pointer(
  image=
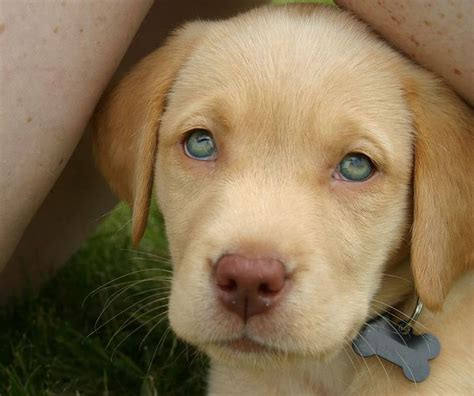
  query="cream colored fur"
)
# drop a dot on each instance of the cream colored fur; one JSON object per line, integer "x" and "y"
{"x": 287, "y": 92}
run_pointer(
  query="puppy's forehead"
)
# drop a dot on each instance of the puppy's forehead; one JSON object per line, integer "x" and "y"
{"x": 286, "y": 52}
{"x": 295, "y": 68}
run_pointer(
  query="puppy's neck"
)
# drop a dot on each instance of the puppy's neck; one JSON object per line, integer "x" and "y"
{"x": 329, "y": 377}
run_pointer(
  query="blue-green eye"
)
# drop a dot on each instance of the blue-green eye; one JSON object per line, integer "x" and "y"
{"x": 356, "y": 167}
{"x": 200, "y": 145}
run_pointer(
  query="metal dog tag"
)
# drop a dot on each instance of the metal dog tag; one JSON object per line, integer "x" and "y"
{"x": 411, "y": 352}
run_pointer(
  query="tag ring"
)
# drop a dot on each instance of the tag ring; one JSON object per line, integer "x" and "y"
{"x": 406, "y": 325}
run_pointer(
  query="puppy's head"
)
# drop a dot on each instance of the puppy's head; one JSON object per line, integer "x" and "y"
{"x": 294, "y": 155}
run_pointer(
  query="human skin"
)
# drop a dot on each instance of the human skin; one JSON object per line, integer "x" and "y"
{"x": 438, "y": 34}
{"x": 48, "y": 97}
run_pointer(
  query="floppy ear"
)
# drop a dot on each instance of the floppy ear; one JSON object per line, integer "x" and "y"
{"x": 127, "y": 122}
{"x": 442, "y": 234}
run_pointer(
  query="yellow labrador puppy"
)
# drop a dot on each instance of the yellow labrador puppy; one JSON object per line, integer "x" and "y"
{"x": 311, "y": 179}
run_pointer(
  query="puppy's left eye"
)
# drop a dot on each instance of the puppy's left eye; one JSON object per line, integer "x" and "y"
{"x": 355, "y": 167}
{"x": 200, "y": 145}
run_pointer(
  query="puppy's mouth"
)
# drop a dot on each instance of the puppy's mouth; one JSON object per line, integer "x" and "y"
{"x": 246, "y": 345}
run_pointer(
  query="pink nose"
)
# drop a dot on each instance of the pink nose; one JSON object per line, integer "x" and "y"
{"x": 249, "y": 286}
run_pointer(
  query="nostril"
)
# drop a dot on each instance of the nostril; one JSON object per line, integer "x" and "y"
{"x": 229, "y": 285}
{"x": 266, "y": 290}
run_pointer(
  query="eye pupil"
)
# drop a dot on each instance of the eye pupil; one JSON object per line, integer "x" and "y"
{"x": 356, "y": 167}
{"x": 200, "y": 145}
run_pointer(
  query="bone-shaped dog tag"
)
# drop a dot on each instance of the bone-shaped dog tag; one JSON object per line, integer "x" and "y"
{"x": 411, "y": 352}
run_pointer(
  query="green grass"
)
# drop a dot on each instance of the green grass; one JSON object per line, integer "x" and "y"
{"x": 46, "y": 345}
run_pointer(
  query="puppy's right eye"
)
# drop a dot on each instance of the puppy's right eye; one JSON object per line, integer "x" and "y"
{"x": 355, "y": 167}
{"x": 200, "y": 145}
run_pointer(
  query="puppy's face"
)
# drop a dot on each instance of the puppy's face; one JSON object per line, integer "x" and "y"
{"x": 288, "y": 105}
{"x": 283, "y": 169}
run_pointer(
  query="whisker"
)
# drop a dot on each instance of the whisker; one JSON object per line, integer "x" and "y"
{"x": 144, "y": 253}
{"x": 152, "y": 359}
{"x": 131, "y": 285}
{"x": 154, "y": 260}
{"x": 134, "y": 331}
{"x": 406, "y": 316}
{"x": 148, "y": 333}
{"x": 135, "y": 282}
{"x": 196, "y": 354}
{"x": 349, "y": 342}
{"x": 183, "y": 352}
{"x": 116, "y": 295}
{"x": 187, "y": 349}
{"x": 108, "y": 283}
{"x": 118, "y": 207}
{"x": 153, "y": 297}
{"x": 133, "y": 317}
{"x": 163, "y": 338}
{"x": 157, "y": 292}
{"x": 129, "y": 221}
{"x": 157, "y": 347}
{"x": 116, "y": 285}
{"x": 386, "y": 320}
{"x": 408, "y": 368}
{"x": 396, "y": 330}
{"x": 375, "y": 354}
{"x": 398, "y": 277}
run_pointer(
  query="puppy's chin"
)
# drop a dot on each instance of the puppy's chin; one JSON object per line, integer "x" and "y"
{"x": 248, "y": 354}
{"x": 261, "y": 357}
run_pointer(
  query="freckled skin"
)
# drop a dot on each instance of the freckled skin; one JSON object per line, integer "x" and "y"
{"x": 53, "y": 92}
{"x": 436, "y": 33}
